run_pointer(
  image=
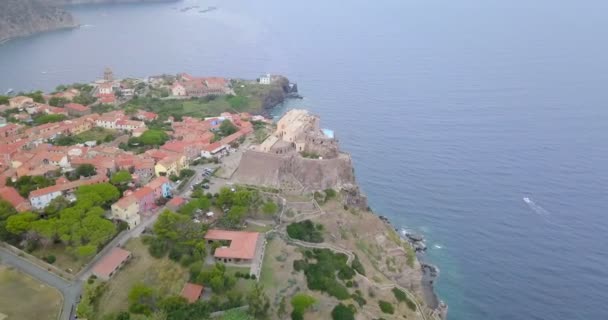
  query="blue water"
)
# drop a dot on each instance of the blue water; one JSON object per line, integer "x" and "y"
{"x": 454, "y": 111}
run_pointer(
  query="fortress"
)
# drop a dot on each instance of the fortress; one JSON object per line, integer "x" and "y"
{"x": 299, "y": 131}
{"x": 300, "y": 157}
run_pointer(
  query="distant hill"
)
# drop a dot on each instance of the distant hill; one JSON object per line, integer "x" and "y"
{"x": 68, "y": 2}
{"x": 24, "y": 17}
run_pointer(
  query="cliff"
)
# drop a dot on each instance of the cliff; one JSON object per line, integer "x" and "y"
{"x": 20, "y": 18}
{"x": 25, "y": 17}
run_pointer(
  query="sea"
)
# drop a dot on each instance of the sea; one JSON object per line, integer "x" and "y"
{"x": 482, "y": 124}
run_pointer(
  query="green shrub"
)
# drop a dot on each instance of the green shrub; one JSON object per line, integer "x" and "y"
{"x": 300, "y": 303}
{"x": 321, "y": 271}
{"x": 305, "y": 231}
{"x": 402, "y": 297}
{"x": 342, "y": 312}
{"x": 357, "y": 266}
{"x": 50, "y": 259}
{"x": 386, "y": 307}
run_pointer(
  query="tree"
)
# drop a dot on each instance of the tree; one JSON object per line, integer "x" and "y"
{"x": 20, "y": 223}
{"x": 195, "y": 204}
{"x": 142, "y": 299}
{"x": 342, "y": 312}
{"x": 26, "y": 184}
{"x": 270, "y": 208}
{"x": 386, "y": 307}
{"x": 48, "y": 118}
{"x": 153, "y": 137}
{"x": 6, "y": 209}
{"x": 120, "y": 178}
{"x": 235, "y": 215}
{"x": 86, "y": 170}
{"x": 36, "y": 95}
{"x": 58, "y": 101}
{"x": 300, "y": 303}
{"x": 227, "y": 128}
{"x": 258, "y": 301}
{"x": 106, "y": 192}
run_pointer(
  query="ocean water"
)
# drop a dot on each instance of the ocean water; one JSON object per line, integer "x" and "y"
{"x": 454, "y": 112}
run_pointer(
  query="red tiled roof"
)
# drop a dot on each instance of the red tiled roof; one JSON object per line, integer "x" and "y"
{"x": 192, "y": 292}
{"x": 68, "y": 186}
{"x": 242, "y": 244}
{"x": 76, "y": 107}
{"x": 176, "y": 202}
{"x": 110, "y": 262}
{"x": 11, "y": 195}
{"x": 107, "y": 98}
{"x": 142, "y": 192}
{"x": 157, "y": 182}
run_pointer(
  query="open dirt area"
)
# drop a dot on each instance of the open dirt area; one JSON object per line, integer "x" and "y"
{"x": 22, "y": 297}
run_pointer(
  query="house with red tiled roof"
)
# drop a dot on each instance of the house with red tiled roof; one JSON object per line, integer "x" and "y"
{"x": 127, "y": 210}
{"x": 161, "y": 187}
{"x": 107, "y": 98}
{"x": 212, "y": 150}
{"x": 146, "y": 115}
{"x": 11, "y": 195}
{"x": 192, "y": 292}
{"x": 129, "y": 125}
{"x": 186, "y": 148}
{"x": 145, "y": 200}
{"x": 76, "y": 109}
{"x": 176, "y": 203}
{"x": 112, "y": 262}
{"x": 243, "y": 247}
{"x": 171, "y": 164}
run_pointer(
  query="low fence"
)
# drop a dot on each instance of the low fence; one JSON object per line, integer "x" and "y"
{"x": 38, "y": 262}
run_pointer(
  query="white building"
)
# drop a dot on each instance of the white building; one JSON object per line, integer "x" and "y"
{"x": 40, "y": 201}
{"x": 177, "y": 89}
{"x": 266, "y": 79}
{"x": 106, "y": 88}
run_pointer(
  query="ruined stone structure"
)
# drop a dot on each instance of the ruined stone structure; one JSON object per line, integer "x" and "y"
{"x": 300, "y": 132}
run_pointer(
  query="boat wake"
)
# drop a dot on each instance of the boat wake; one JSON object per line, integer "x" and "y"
{"x": 535, "y": 207}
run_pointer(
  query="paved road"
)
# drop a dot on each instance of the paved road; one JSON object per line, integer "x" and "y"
{"x": 69, "y": 290}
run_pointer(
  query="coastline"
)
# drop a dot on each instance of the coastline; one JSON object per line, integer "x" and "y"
{"x": 429, "y": 272}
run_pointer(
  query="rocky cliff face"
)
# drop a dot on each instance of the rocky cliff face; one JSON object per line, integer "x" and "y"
{"x": 20, "y": 18}
{"x": 24, "y": 17}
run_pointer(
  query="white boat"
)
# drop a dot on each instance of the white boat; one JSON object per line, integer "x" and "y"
{"x": 9, "y": 91}
{"x": 527, "y": 200}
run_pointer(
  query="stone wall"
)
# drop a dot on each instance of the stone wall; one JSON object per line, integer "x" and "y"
{"x": 259, "y": 168}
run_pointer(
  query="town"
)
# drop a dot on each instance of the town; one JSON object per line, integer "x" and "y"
{"x": 138, "y": 200}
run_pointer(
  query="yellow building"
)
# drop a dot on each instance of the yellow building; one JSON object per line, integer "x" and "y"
{"x": 170, "y": 165}
{"x": 126, "y": 209}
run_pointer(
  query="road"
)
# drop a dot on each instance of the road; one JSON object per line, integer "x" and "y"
{"x": 69, "y": 290}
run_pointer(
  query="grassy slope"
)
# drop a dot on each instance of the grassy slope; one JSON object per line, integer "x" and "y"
{"x": 22, "y": 297}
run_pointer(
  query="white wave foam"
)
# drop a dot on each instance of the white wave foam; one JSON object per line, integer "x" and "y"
{"x": 535, "y": 207}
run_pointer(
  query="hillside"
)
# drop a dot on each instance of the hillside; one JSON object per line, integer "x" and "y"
{"x": 20, "y": 18}
{"x": 25, "y": 17}
{"x": 69, "y": 2}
